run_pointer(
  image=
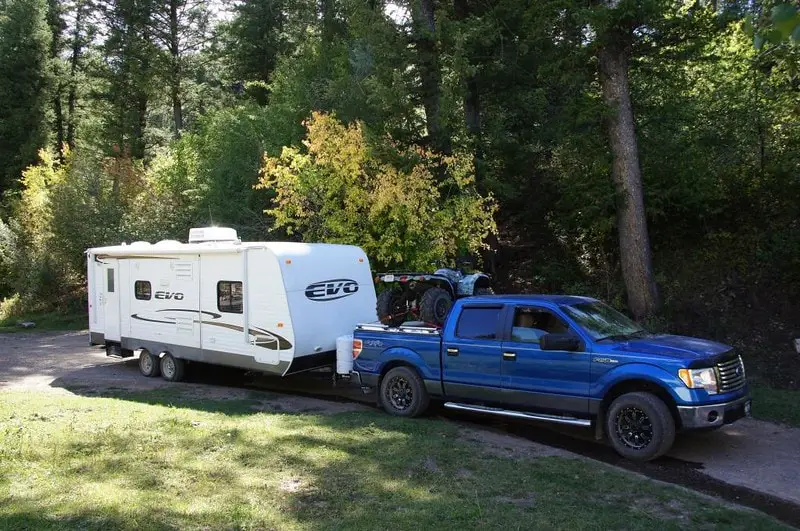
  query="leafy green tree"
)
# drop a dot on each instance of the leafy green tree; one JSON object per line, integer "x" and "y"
{"x": 129, "y": 72}
{"x": 24, "y": 85}
{"x": 389, "y": 200}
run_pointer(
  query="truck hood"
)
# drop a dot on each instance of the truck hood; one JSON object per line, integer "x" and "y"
{"x": 673, "y": 346}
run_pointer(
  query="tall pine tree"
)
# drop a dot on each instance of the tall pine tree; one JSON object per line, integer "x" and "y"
{"x": 24, "y": 85}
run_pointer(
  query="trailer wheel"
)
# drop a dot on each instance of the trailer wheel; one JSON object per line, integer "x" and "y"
{"x": 435, "y": 305}
{"x": 172, "y": 368}
{"x": 640, "y": 426}
{"x": 148, "y": 364}
{"x": 403, "y": 393}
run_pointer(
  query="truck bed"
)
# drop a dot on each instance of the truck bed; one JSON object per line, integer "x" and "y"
{"x": 420, "y": 346}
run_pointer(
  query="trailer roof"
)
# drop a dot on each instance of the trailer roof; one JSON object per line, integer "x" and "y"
{"x": 173, "y": 247}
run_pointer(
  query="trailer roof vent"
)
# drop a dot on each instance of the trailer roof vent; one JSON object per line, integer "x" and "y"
{"x": 213, "y": 234}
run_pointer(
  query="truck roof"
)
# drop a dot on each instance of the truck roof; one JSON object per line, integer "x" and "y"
{"x": 567, "y": 300}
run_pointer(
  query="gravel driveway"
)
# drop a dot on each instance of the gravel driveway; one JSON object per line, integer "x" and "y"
{"x": 754, "y": 454}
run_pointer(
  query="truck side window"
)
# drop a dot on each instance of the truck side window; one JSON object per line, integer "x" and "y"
{"x": 530, "y": 324}
{"x": 478, "y": 323}
{"x": 229, "y": 296}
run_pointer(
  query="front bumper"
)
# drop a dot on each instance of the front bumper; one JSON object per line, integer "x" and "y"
{"x": 714, "y": 415}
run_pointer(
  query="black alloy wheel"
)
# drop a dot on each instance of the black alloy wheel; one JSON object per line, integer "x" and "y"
{"x": 634, "y": 427}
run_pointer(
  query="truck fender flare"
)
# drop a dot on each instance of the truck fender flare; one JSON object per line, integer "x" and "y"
{"x": 643, "y": 371}
{"x": 639, "y": 375}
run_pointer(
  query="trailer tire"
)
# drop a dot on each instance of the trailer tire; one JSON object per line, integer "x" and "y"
{"x": 403, "y": 393}
{"x": 640, "y": 426}
{"x": 149, "y": 365}
{"x": 435, "y": 305}
{"x": 389, "y": 307}
{"x": 172, "y": 369}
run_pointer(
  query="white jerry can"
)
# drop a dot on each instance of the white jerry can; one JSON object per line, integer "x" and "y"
{"x": 344, "y": 354}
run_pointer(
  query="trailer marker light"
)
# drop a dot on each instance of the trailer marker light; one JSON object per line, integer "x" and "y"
{"x": 361, "y": 260}
{"x": 358, "y": 346}
{"x": 280, "y": 325}
{"x": 289, "y": 261}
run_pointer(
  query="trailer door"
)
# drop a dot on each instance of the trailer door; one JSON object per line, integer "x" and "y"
{"x": 111, "y": 299}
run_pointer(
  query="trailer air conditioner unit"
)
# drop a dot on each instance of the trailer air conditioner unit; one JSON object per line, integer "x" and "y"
{"x": 213, "y": 234}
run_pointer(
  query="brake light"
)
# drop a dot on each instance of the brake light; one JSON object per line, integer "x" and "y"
{"x": 358, "y": 346}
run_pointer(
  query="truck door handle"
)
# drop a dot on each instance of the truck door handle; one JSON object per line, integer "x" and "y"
{"x": 510, "y": 356}
{"x": 452, "y": 352}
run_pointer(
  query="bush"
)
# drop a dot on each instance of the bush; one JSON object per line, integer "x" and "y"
{"x": 406, "y": 207}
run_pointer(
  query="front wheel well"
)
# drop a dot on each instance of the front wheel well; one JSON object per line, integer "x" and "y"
{"x": 641, "y": 386}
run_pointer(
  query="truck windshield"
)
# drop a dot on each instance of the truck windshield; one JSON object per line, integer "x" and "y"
{"x": 601, "y": 321}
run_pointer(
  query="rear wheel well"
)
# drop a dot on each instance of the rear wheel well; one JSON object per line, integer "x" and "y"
{"x": 396, "y": 363}
{"x": 641, "y": 386}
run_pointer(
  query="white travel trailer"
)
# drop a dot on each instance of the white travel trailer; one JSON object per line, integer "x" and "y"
{"x": 268, "y": 306}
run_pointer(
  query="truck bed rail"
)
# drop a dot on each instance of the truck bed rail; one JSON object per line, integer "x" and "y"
{"x": 378, "y": 327}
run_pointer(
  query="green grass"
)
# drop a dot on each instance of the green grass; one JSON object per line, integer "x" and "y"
{"x": 46, "y": 321}
{"x": 776, "y": 405}
{"x": 159, "y": 460}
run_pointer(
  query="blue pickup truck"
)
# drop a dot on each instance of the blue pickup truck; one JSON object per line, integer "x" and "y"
{"x": 562, "y": 359}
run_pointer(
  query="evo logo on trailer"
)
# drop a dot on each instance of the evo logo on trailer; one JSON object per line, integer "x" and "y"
{"x": 330, "y": 290}
{"x": 178, "y": 296}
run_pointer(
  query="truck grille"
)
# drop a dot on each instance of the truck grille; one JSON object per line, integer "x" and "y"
{"x": 731, "y": 375}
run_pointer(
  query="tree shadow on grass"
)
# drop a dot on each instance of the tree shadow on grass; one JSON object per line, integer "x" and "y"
{"x": 221, "y": 464}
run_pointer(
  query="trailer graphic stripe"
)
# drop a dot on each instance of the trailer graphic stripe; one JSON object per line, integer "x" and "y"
{"x": 272, "y": 340}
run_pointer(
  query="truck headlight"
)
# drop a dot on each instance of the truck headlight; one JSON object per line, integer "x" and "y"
{"x": 700, "y": 379}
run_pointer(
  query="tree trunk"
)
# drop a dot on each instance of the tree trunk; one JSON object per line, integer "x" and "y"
{"x": 423, "y": 15}
{"x": 56, "y": 23}
{"x": 472, "y": 101}
{"x": 59, "y": 119}
{"x": 175, "y": 85}
{"x": 329, "y": 29}
{"x": 634, "y": 242}
{"x": 72, "y": 98}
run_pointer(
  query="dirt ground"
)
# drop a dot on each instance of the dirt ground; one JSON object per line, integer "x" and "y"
{"x": 753, "y": 454}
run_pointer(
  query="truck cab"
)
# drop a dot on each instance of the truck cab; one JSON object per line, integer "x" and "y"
{"x": 562, "y": 359}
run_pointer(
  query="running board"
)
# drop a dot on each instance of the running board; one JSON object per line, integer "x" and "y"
{"x": 519, "y": 414}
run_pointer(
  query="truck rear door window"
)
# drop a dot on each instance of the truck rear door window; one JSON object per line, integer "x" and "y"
{"x": 478, "y": 323}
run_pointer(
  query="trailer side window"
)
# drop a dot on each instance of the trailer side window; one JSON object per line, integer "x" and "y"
{"x": 229, "y": 296}
{"x": 142, "y": 290}
{"x": 110, "y": 278}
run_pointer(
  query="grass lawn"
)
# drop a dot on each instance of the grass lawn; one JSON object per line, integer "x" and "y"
{"x": 46, "y": 321}
{"x": 776, "y": 405}
{"x": 164, "y": 461}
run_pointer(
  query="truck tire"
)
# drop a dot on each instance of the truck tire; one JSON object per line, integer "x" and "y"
{"x": 391, "y": 310}
{"x": 435, "y": 305}
{"x": 148, "y": 364}
{"x": 403, "y": 393}
{"x": 172, "y": 368}
{"x": 640, "y": 426}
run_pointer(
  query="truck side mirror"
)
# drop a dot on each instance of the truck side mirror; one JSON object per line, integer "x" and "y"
{"x": 559, "y": 342}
